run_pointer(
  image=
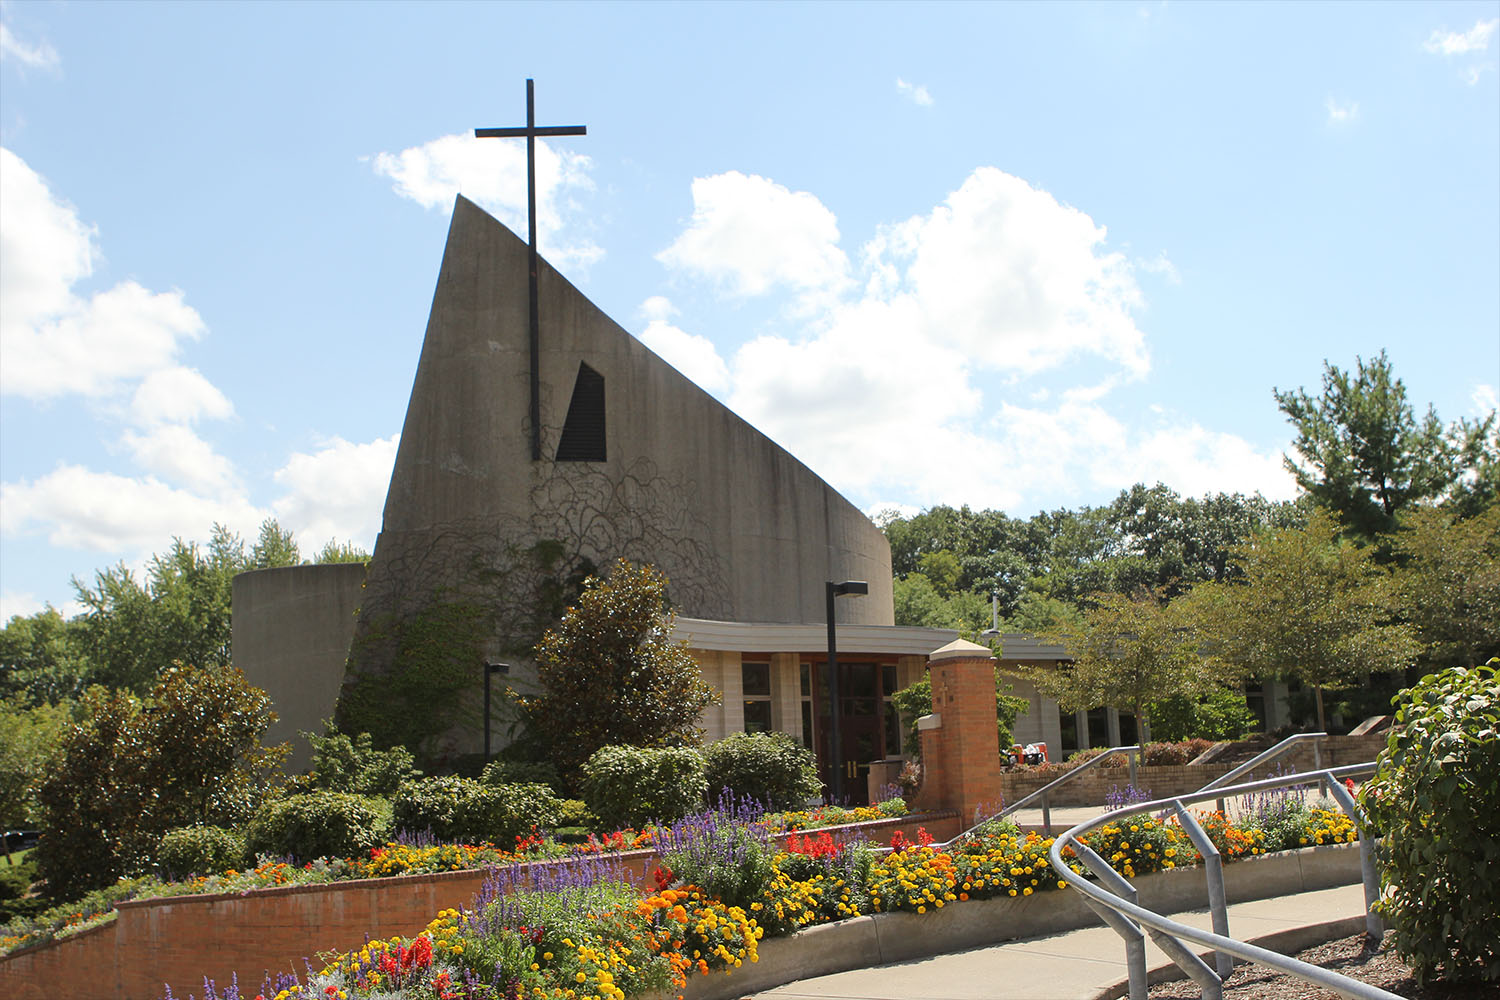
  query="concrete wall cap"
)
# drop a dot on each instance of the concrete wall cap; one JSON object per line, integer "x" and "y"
{"x": 933, "y": 721}
{"x": 961, "y": 649}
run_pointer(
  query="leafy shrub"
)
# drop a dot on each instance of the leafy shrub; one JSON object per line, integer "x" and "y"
{"x": 15, "y": 883}
{"x": 521, "y": 772}
{"x": 199, "y": 850}
{"x": 316, "y": 825}
{"x": 344, "y": 764}
{"x": 1084, "y": 756}
{"x": 456, "y": 809}
{"x": 771, "y": 768}
{"x": 575, "y": 812}
{"x": 1436, "y": 797}
{"x": 627, "y": 787}
{"x": 1173, "y": 754}
{"x": 1219, "y": 715}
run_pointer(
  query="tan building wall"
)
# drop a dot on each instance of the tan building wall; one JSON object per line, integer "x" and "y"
{"x": 290, "y": 631}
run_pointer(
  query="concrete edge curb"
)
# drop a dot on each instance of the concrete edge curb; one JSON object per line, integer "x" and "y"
{"x": 1286, "y": 941}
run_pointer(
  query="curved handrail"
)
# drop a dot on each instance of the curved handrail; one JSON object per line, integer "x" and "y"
{"x": 1044, "y": 793}
{"x": 1118, "y": 909}
{"x": 1269, "y": 755}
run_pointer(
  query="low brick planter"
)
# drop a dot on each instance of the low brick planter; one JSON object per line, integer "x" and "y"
{"x": 183, "y": 939}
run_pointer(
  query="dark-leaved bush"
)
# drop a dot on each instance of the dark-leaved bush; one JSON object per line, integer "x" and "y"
{"x": 1436, "y": 800}
{"x": 456, "y": 809}
{"x": 1172, "y": 754}
{"x": 771, "y": 768}
{"x": 627, "y": 787}
{"x": 199, "y": 850}
{"x": 315, "y": 825}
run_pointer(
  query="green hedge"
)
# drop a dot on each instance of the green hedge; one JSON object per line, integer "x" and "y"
{"x": 467, "y": 810}
{"x": 628, "y": 787}
{"x": 315, "y": 825}
{"x": 771, "y": 768}
{"x": 199, "y": 850}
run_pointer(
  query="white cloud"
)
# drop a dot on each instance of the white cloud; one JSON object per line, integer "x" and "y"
{"x": 694, "y": 356}
{"x": 1160, "y": 264}
{"x": 751, "y": 234}
{"x": 38, "y": 56}
{"x": 1455, "y": 43}
{"x": 1485, "y": 399}
{"x": 178, "y": 455}
{"x": 915, "y": 382}
{"x": 492, "y": 174}
{"x": 56, "y": 342}
{"x": 179, "y": 396}
{"x": 917, "y": 93}
{"x": 1341, "y": 113}
{"x": 78, "y": 508}
{"x": 336, "y": 492}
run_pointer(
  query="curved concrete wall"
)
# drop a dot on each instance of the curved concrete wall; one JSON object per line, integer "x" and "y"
{"x": 291, "y": 633}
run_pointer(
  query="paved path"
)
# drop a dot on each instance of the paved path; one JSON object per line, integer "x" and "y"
{"x": 1078, "y": 965}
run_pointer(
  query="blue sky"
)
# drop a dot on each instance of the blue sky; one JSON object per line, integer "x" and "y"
{"x": 1019, "y": 256}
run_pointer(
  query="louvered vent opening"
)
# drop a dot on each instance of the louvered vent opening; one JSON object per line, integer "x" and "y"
{"x": 583, "y": 432}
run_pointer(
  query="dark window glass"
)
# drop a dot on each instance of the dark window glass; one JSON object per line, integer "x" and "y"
{"x": 756, "y": 678}
{"x": 807, "y": 725}
{"x": 757, "y": 716}
{"x": 1068, "y": 723}
{"x": 892, "y": 730}
{"x": 888, "y": 679}
{"x": 859, "y": 681}
{"x": 806, "y": 680}
{"x": 1098, "y": 728}
{"x": 583, "y": 431}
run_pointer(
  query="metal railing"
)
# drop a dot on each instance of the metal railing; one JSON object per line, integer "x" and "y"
{"x": 1281, "y": 749}
{"x": 1114, "y": 899}
{"x": 1045, "y": 792}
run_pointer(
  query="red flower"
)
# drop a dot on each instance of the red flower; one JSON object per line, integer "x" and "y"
{"x": 662, "y": 876}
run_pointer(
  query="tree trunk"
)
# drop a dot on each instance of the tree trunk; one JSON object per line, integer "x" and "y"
{"x": 1318, "y": 695}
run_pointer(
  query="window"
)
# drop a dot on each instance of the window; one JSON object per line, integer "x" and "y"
{"x": 892, "y": 717}
{"x": 755, "y": 685}
{"x": 583, "y": 431}
{"x": 807, "y": 709}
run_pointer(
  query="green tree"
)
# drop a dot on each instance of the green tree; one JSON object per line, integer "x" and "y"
{"x": 1363, "y": 453}
{"x": 42, "y": 659}
{"x": 1448, "y": 582}
{"x": 335, "y": 551}
{"x": 609, "y": 673}
{"x": 131, "y": 769}
{"x": 1310, "y": 605}
{"x": 275, "y": 547}
{"x": 27, "y": 736}
{"x": 1130, "y": 652}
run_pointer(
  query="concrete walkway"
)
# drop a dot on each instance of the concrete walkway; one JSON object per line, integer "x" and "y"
{"x": 1082, "y": 964}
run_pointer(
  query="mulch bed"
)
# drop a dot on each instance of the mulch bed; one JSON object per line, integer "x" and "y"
{"x": 1350, "y": 956}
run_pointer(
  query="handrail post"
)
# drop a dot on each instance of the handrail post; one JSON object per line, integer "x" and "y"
{"x": 1374, "y": 926}
{"x": 1213, "y": 867}
{"x": 1132, "y": 755}
{"x": 1318, "y": 766}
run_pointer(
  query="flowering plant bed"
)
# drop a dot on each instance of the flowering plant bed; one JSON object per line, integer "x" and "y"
{"x": 580, "y": 929}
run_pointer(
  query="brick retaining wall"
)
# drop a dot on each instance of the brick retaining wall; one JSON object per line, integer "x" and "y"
{"x": 183, "y": 939}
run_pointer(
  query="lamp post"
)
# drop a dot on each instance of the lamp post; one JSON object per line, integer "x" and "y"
{"x": 490, "y": 670}
{"x": 849, "y": 588}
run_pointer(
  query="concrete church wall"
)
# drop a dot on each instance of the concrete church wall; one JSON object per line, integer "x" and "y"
{"x": 291, "y": 632}
{"x": 743, "y": 530}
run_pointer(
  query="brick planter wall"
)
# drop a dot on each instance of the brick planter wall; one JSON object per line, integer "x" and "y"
{"x": 183, "y": 939}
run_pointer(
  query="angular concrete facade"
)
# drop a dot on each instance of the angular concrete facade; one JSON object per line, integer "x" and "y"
{"x": 637, "y": 463}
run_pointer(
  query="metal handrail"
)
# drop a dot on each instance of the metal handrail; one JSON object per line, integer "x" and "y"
{"x": 1044, "y": 793}
{"x": 1118, "y": 908}
{"x": 1265, "y": 757}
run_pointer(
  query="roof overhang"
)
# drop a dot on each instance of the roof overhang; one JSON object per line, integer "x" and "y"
{"x": 872, "y": 640}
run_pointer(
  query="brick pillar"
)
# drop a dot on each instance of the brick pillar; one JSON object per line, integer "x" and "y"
{"x": 960, "y": 747}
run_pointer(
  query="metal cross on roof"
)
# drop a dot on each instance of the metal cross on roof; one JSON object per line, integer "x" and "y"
{"x": 530, "y": 132}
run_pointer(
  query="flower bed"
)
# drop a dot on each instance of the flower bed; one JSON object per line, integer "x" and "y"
{"x": 576, "y": 931}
